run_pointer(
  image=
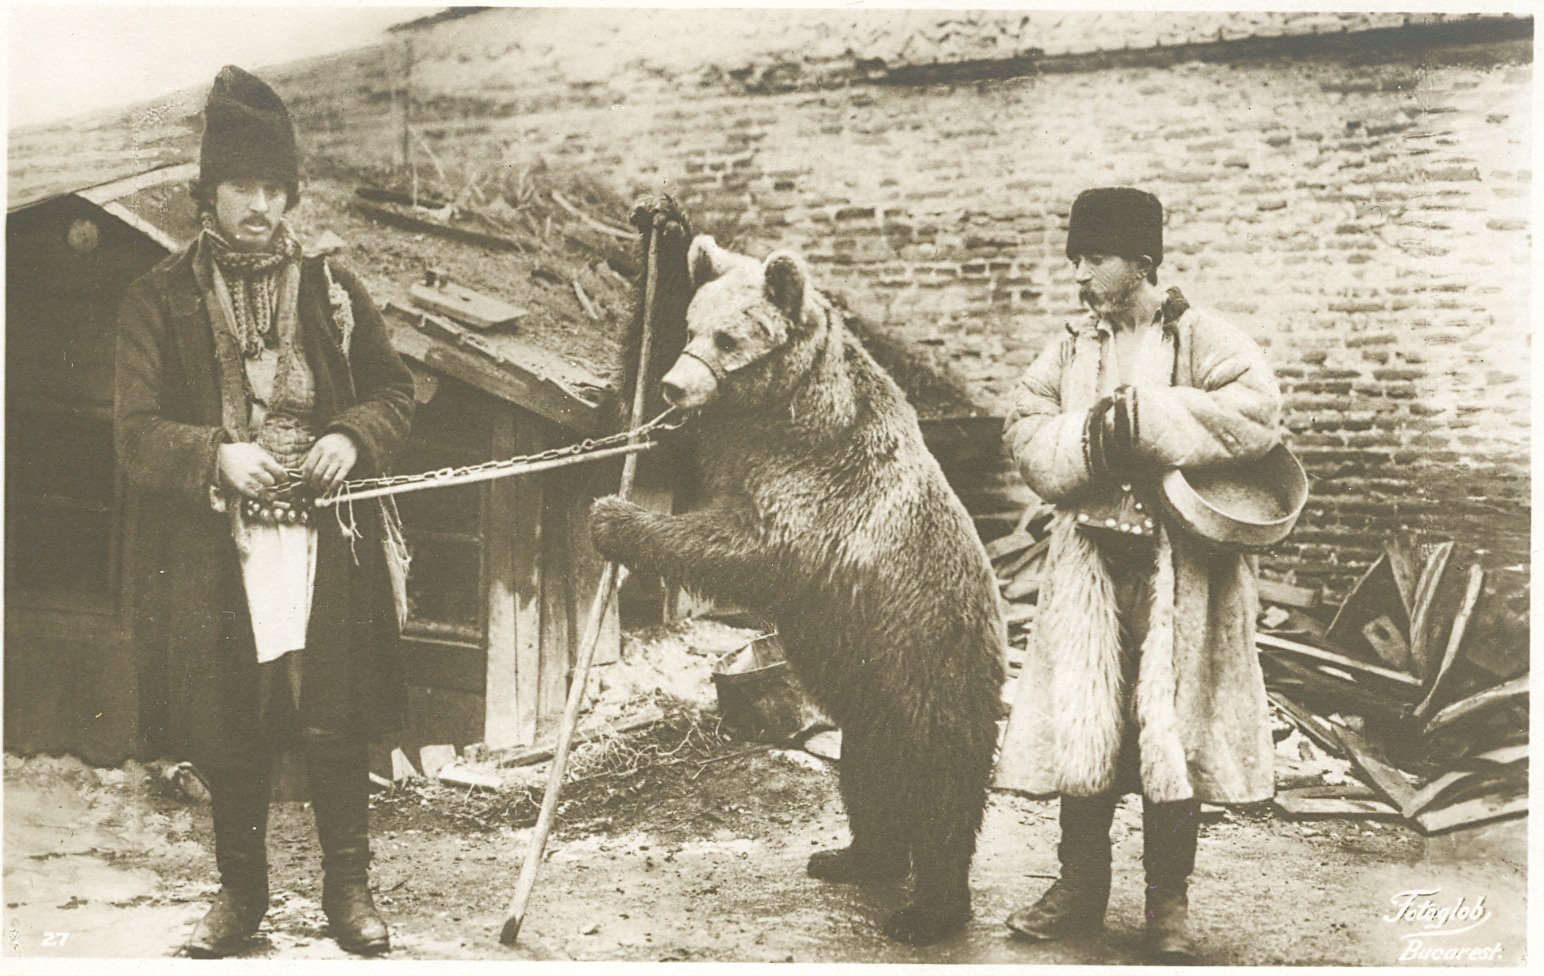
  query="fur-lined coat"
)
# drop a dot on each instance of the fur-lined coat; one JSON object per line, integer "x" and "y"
{"x": 1203, "y": 726}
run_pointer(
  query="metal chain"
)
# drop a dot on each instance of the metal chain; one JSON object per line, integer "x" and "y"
{"x": 384, "y": 484}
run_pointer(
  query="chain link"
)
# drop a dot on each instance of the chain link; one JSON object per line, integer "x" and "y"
{"x": 587, "y": 446}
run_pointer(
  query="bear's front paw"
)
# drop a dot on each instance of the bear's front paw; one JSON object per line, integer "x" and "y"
{"x": 661, "y": 213}
{"x": 609, "y": 517}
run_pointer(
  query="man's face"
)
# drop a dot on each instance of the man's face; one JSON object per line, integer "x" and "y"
{"x": 248, "y": 211}
{"x": 1107, "y": 282}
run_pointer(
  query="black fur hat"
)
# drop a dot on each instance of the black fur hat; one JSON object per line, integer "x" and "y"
{"x": 247, "y": 135}
{"x": 1116, "y": 220}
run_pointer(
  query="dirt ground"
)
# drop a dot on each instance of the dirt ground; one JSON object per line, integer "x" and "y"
{"x": 677, "y": 843}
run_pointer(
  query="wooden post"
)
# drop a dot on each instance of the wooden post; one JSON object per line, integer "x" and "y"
{"x": 406, "y": 146}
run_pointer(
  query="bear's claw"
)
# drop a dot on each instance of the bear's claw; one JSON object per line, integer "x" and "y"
{"x": 921, "y": 924}
{"x": 846, "y": 865}
{"x": 660, "y": 213}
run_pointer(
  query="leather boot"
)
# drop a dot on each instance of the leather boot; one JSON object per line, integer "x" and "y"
{"x": 1074, "y": 905}
{"x": 337, "y": 773}
{"x": 1168, "y": 857}
{"x": 238, "y": 800}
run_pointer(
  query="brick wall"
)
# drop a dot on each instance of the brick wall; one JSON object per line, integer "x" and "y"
{"x": 1361, "y": 210}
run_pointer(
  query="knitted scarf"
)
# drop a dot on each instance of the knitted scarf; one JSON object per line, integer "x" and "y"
{"x": 253, "y": 297}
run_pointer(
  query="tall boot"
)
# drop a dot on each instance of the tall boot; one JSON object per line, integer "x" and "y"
{"x": 1168, "y": 857}
{"x": 338, "y": 776}
{"x": 238, "y": 799}
{"x": 1074, "y": 905}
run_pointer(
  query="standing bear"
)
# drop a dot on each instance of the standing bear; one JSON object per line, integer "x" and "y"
{"x": 824, "y": 511}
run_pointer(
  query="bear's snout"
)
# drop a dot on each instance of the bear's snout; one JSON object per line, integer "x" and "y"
{"x": 689, "y": 384}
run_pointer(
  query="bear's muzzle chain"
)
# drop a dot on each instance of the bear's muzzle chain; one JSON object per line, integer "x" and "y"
{"x": 590, "y": 449}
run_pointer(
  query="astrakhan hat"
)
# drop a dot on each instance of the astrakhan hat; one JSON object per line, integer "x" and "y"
{"x": 1118, "y": 220}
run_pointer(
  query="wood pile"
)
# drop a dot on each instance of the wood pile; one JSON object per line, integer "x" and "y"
{"x": 1397, "y": 685}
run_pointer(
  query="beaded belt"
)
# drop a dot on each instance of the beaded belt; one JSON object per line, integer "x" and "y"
{"x": 277, "y": 512}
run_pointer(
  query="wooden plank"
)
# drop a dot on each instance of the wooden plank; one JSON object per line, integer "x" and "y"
{"x": 465, "y": 305}
{"x": 1347, "y": 695}
{"x": 407, "y": 221}
{"x": 527, "y": 500}
{"x": 1405, "y": 562}
{"x": 1009, "y": 545}
{"x": 592, "y": 730}
{"x": 1385, "y": 637}
{"x": 1297, "y": 807}
{"x": 1470, "y": 813}
{"x": 1507, "y": 691}
{"x": 505, "y": 722}
{"x": 1423, "y": 622}
{"x": 557, "y": 650}
{"x": 1381, "y": 775}
{"x": 1287, "y": 595}
{"x": 1455, "y": 638}
{"x": 508, "y": 380}
{"x": 1361, "y": 668}
{"x": 1315, "y": 729}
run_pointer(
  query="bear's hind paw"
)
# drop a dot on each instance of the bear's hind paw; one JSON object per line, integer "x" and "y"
{"x": 920, "y": 924}
{"x": 856, "y": 867}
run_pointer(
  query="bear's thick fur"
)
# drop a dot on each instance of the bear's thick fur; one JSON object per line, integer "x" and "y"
{"x": 825, "y": 512}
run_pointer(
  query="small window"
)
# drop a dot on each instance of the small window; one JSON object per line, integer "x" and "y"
{"x": 443, "y": 526}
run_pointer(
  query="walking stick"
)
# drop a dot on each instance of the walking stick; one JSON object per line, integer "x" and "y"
{"x": 611, "y": 578}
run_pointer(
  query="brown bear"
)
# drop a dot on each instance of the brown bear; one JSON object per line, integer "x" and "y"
{"x": 825, "y": 512}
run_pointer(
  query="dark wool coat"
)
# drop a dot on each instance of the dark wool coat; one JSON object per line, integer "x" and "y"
{"x": 168, "y": 431}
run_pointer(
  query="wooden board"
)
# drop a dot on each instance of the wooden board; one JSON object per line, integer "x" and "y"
{"x": 1399, "y": 679}
{"x": 1319, "y": 732}
{"x": 505, "y": 717}
{"x": 1507, "y": 691}
{"x": 1286, "y": 595}
{"x": 1374, "y": 595}
{"x": 1424, "y": 614}
{"x": 1455, "y": 639}
{"x": 1385, "y": 637}
{"x": 1381, "y": 775}
{"x": 1470, "y": 813}
{"x": 465, "y": 305}
{"x": 557, "y": 650}
{"x": 529, "y": 501}
{"x": 1294, "y": 806}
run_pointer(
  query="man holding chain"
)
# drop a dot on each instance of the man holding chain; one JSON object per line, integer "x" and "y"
{"x": 251, "y": 377}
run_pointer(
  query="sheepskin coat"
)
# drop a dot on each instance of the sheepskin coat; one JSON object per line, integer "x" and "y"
{"x": 1199, "y": 699}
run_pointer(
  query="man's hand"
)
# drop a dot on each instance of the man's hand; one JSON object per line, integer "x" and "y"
{"x": 330, "y": 460}
{"x": 248, "y": 469}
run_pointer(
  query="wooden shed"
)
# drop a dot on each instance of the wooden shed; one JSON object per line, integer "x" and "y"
{"x": 501, "y": 571}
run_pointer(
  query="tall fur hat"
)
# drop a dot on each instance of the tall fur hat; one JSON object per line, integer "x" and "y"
{"x": 1116, "y": 220}
{"x": 247, "y": 135}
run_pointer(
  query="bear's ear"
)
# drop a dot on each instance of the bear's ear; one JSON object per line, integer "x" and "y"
{"x": 785, "y": 282}
{"x": 706, "y": 260}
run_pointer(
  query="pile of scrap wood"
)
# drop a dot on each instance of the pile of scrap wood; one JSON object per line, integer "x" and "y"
{"x": 1399, "y": 683}
{"x": 1018, "y": 559}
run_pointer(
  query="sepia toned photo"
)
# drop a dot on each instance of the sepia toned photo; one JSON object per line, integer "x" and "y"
{"x": 1002, "y": 486}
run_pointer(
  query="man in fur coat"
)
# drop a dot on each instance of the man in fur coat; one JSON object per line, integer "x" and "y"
{"x": 252, "y": 376}
{"x": 1142, "y": 675}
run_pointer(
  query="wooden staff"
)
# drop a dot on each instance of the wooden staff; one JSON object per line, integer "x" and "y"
{"x": 611, "y": 578}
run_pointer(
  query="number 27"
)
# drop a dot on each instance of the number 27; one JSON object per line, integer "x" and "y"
{"x": 55, "y": 939}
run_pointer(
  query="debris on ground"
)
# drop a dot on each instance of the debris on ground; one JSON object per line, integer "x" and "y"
{"x": 1389, "y": 690}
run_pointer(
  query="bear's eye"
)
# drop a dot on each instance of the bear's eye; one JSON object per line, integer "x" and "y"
{"x": 724, "y": 341}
